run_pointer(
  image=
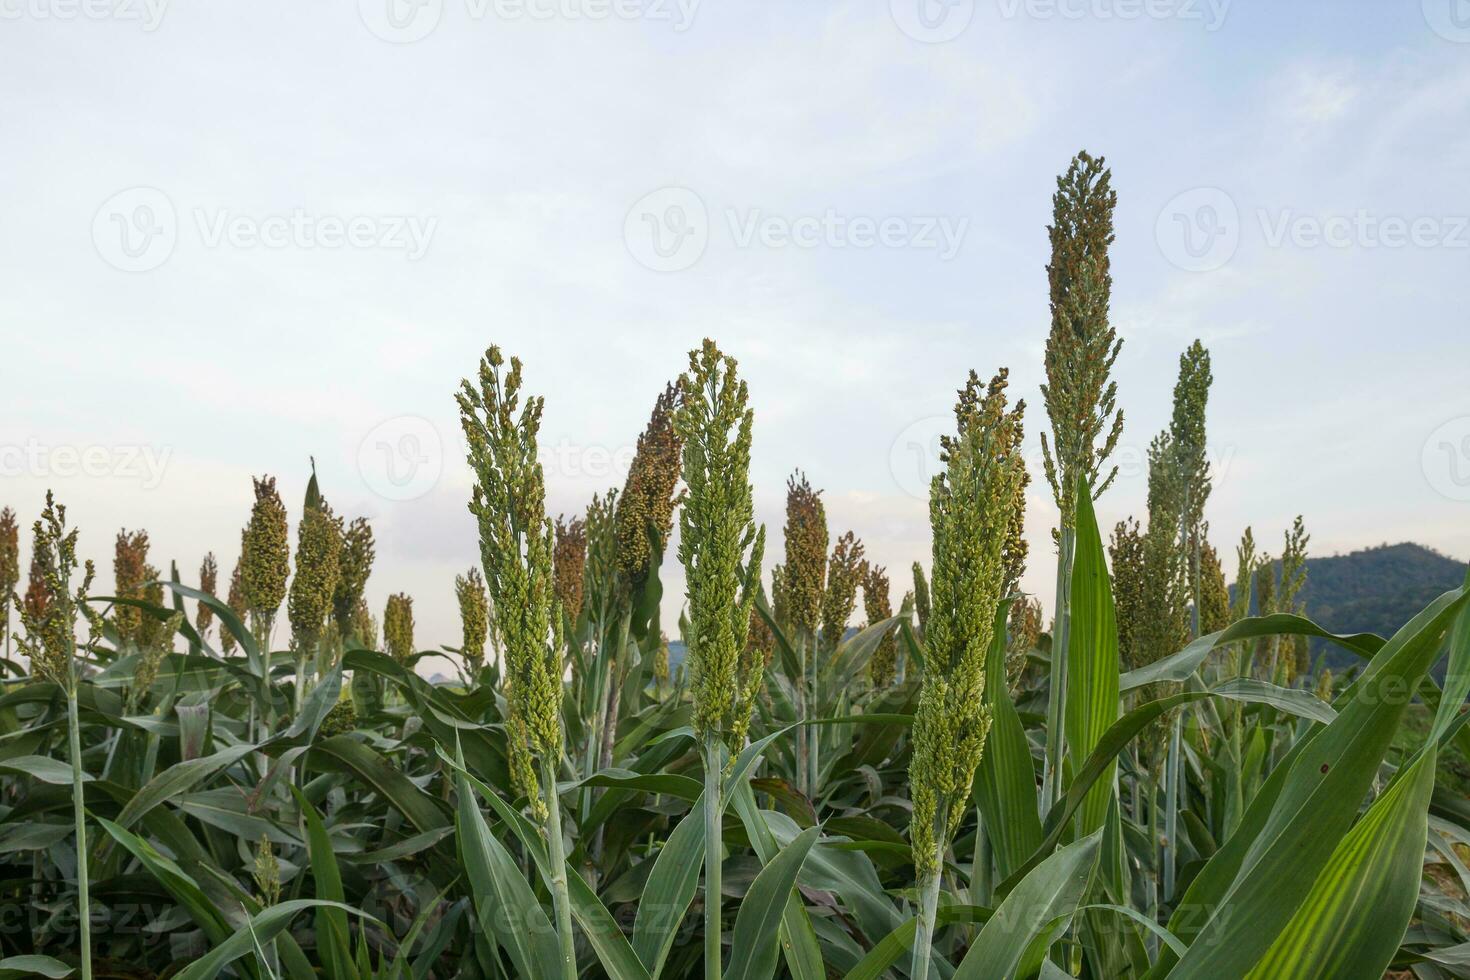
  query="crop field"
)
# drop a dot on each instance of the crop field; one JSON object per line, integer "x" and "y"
{"x": 843, "y": 770}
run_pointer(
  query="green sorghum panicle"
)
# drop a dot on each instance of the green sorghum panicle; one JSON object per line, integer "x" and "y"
{"x": 266, "y": 552}
{"x": 1082, "y": 346}
{"x": 516, "y": 545}
{"x": 1214, "y": 594}
{"x": 343, "y": 716}
{"x": 661, "y": 661}
{"x": 354, "y": 565}
{"x": 474, "y": 617}
{"x": 844, "y": 569}
{"x": 605, "y": 588}
{"x": 267, "y": 872}
{"x": 921, "y": 597}
{"x": 646, "y": 505}
{"x": 398, "y": 627}
{"x": 719, "y": 544}
{"x": 318, "y": 554}
{"x": 970, "y": 508}
{"x": 208, "y": 583}
{"x": 1025, "y": 633}
{"x": 804, "y": 573}
{"x": 364, "y": 626}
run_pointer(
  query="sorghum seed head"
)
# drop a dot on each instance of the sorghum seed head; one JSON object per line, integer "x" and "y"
{"x": 267, "y": 552}
{"x": 569, "y": 561}
{"x": 398, "y": 627}
{"x": 719, "y": 544}
{"x": 646, "y": 505}
{"x": 130, "y": 574}
{"x": 971, "y": 510}
{"x": 805, "y": 571}
{"x": 208, "y": 582}
{"x": 318, "y": 554}
{"x": 353, "y": 568}
{"x": 878, "y": 606}
{"x": 516, "y": 548}
{"x": 474, "y": 617}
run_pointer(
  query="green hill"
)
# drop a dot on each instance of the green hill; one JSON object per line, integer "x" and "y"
{"x": 1376, "y": 590}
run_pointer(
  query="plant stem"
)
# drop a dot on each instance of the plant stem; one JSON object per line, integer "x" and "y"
{"x": 804, "y": 732}
{"x": 981, "y": 885}
{"x": 79, "y": 814}
{"x": 1171, "y": 805}
{"x": 928, "y": 911}
{"x": 1057, "y": 698}
{"x": 814, "y": 733}
{"x": 556, "y": 856}
{"x": 713, "y": 848}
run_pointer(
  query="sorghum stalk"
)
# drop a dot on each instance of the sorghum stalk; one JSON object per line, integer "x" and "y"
{"x": 516, "y": 544}
{"x": 1080, "y": 398}
{"x": 51, "y": 645}
{"x": 720, "y": 548}
{"x": 354, "y": 566}
{"x": 971, "y": 511}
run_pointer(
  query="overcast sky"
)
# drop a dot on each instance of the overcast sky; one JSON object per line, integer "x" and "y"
{"x": 235, "y": 235}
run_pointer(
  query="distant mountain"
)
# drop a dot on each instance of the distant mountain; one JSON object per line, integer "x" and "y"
{"x": 1376, "y": 590}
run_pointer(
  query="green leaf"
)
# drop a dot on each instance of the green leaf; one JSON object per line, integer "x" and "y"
{"x": 17, "y": 967}
{"x": 887, "y": 951}
{"x": 1456, "y": 678}
{"x": 180, "y": 885}
{"x": 1303, "y": 704}
{"x": 1323, "y": 789}
{"x": 1005, "y": 784}
{"x": 504, "y": 903}
{"x": 260, "y": 928}
{"x": 753, "y": 945}
{"x": 598, "y": 925}
{"x": 346, "y": 754}
{"x": 332, "y": 937}
{"x": 47, "y": 770}
{"x": 1092, "y": 661}
{"x": 798, "y": 937}
{"x": 1179, "y": 667}
{"x": 1015, "y": 940}
{"x": 669, "y": 890}
{"x": 1354, "y": 918}
{"x": 179, "y": 778}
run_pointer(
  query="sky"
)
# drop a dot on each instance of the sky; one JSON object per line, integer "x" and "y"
{"x": 235, "y": 236}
